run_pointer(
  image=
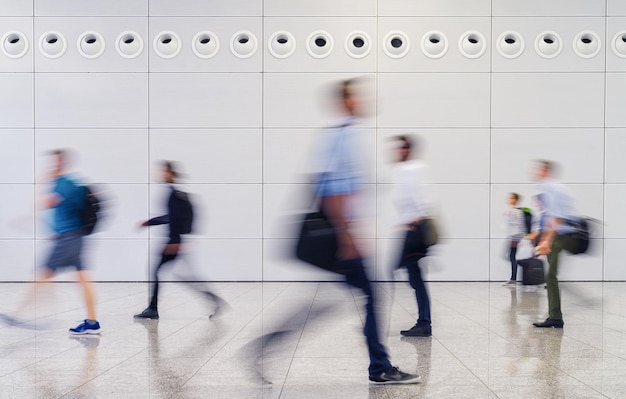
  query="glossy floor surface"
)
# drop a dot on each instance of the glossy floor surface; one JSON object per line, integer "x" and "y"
{"x": 483, "y": 343}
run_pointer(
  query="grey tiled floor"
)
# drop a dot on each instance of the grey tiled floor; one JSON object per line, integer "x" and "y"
{"x": 483, "y": 344}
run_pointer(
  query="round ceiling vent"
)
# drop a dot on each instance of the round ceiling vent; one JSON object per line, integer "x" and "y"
{"x": 587, "y": 44}
{"x": 396, "y": 44}
{"x": 205, "y": 44}
{"x": 14, "y": 44}
{"x": 548, "y": 44}
{"x": 281, "y": 44}
{"x": 129, "y": 44}
{"x": 243, "y": 44}
{"x": 510, "y": 44}
{"x": 472, "y": 44}
{"x": 52, "y": 44}
{"x": 434, "y": 44}
{"x": 319, "y": 44}
{"x": 167, "y": 44}
{"x": 91, "y": 45}
{"x": 358, "y": 45}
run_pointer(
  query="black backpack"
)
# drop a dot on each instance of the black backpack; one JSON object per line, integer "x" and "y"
{"x": 90, "y": 211}
{"x": 528, "y": 219}
{"x": 184, "y": 209}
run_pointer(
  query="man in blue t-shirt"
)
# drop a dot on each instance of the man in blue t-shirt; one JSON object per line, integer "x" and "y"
{"x": 66, "y": 200}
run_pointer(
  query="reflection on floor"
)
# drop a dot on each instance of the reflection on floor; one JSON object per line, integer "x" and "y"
{"x": 483, "y": 343}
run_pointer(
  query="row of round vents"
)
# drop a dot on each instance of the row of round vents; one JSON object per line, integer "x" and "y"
{"x": 319, "y": 44}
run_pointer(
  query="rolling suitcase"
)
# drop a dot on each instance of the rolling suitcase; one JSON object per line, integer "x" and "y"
{"x": 532, "y": 271}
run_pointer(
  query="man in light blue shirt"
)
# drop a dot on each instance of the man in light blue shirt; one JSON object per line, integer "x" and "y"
{"x": 338, "y": 185}
{"x": 559, "y": 212}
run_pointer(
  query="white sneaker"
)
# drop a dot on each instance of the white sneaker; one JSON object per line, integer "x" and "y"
{"x": 509, "y": 283}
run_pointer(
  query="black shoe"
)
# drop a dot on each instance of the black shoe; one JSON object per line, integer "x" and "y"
{"x": 395, "y": 376}
{"x": 556, "y": 323}
{"x": 148, "y": 313}
{"x": 418, "y": 331}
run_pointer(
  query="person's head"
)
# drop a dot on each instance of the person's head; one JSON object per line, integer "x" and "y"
{"x": 169, "y": 172}
{"x": 348, "y": 96}
{"x": 59, "y": 161}
{"x": 513, "y": 199}
{"x": 403, "y": 147}
{"x": 543, "y": 169}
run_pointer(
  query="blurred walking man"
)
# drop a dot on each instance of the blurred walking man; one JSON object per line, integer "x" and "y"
{"x": 67, "y": 199}
{"x": 413, "y": 213}
{"x": 339, "y": 185}
{"x": 558, "y": 207}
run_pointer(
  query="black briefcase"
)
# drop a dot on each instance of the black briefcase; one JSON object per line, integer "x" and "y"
{"x": 317, "y": 244}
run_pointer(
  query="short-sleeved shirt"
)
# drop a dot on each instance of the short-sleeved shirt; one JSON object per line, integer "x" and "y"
{"x": 339, "y": 167}
{"x": 66, "y": 212}
{"x": 558, "y": 203}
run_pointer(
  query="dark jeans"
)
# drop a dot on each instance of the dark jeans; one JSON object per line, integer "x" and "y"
{"x": 191, "y": 279}
{"x": 413, "y": 250}
{"x": 513, "y": 259}
{"x": 165, "y": 258}
{"x": 356, "y": 277}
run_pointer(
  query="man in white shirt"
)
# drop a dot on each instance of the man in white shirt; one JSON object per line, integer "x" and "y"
{"x": 413, "y": 207}
{"x": 559, "y": 212}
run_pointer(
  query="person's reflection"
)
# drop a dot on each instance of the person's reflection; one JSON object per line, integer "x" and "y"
{"x": 546, "y": 374}
{"x": 260, "y": 352}
{"x": 166, "y": 375}
{"x": 423, "y": 349}
{"x": 90, "y": 363}
{"x": 89, "y": 370}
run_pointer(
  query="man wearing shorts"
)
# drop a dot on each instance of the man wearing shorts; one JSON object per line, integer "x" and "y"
{"x": 66, "y": 200}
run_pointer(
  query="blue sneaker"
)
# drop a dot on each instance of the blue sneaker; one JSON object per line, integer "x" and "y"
{"x": 86, "y": 328}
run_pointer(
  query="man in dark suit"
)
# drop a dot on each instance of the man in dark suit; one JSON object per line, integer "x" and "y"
{"x": 179, "y": 217}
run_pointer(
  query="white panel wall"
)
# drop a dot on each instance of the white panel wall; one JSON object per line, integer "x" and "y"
{"x": 244, "y": 125}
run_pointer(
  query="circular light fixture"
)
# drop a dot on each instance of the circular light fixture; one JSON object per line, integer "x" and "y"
{"x": 434, "y": 44}
{"x": 205, "y": 44}
{"x": 319, "y": 44}
{"x": 358, "y": 45}
{"x": 282, "y": 44}
{"x": 548, "y": 44}
{"x": 14, "y": 44}
{"x": 91, "y": 45}
{"x": 396, "y": 44}
{"x": 472, "y": 44}
{"x": 52, "y": 44}
{"x": 129, "y": 44}
{"x": 510, "y": 44}
{"x": 167, "y": 44}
